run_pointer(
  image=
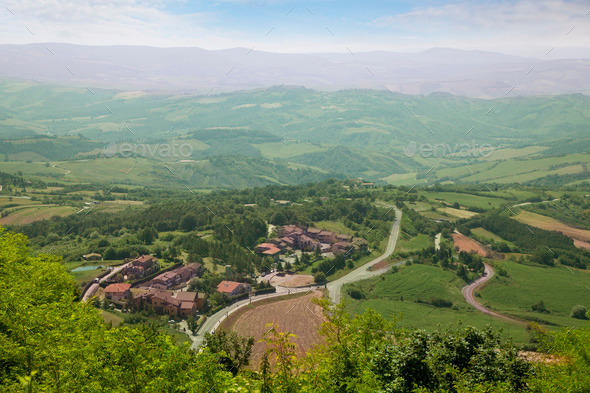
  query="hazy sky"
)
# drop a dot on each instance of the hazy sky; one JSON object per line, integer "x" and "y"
{"x": 528, "y": 28}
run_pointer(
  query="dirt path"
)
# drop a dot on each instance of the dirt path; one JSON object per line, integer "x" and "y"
{"x": 437, "y": 241}
{"x": 469, "y": 295}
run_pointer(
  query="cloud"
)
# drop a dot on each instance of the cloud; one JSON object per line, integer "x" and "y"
{"x": 512, "y": 23}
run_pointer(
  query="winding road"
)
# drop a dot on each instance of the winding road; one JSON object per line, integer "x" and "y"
{"x": 333, "y": 287}
{"x": 468, "y": 292}
{"x": 362, "y": 273}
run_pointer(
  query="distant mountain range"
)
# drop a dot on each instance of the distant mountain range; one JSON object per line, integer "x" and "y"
{"x": 197, "y": 71}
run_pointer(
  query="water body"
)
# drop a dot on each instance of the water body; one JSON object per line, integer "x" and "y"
{"x": 86, "y": 268}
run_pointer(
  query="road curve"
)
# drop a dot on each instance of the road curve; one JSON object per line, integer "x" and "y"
{"x": 212, "y": 322}
{"x": 468, "y": 292}
{"x": 94, "y": 287}
{"x": 361, "y": 273}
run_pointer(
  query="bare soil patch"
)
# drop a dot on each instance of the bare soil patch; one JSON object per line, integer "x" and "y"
{"x": 292, "y": 280}
{"x": 296, "y": 314}
{"x": 466, "y": 244}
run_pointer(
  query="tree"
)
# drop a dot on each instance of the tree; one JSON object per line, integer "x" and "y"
{"x": 233, "y": 350}
{"x": 319, "y": 278}
{"x": 579, "y": 312}
{"x": 148, "y": 235}
{"x": 188, "y": 222}
{"x": 191, "y": 322}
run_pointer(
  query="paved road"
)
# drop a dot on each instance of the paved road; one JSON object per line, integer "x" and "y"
{"x": 362, "y": 273}
{"x": 469, "y": 290}
{"x": 94, "y": 287}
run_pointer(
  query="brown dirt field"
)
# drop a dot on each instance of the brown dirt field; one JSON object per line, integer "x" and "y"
{"x": 292, "y": 280}
{"x": 297, "y": 315}
{"x": 581, "y": 244}
{"x": 468, "y": 245}
{"x": 379, "y": 265}
{"x": 551, "y": 224}
{"x": 538, "y": 357}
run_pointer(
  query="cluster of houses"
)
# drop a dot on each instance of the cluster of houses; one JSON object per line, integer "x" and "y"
{"x": 156, "y": 292}
{"x": 297, "y": 237}
{"x": 174, "y": 304}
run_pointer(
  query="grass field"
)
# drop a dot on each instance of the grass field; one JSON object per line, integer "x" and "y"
{"x": 414, "y": 243}
{"x": 466, "y": 200}
{"x": 334, "y": 226}
{"x": 111, "y": 317}
{"x": 526, "y": 285}
{"x": 27, "y": 215}
{"x": 485, "y": 234}
{"x": 551, "y": 224}
{"x": 396, "y": 296}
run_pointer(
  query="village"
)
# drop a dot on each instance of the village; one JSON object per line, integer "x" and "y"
{"x": 139, "y": 285}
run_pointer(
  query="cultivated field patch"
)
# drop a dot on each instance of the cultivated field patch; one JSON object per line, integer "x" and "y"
{"x": 551, "y": 224}
{"x": 297, "y": 315}
{"x": 466, "y": 244}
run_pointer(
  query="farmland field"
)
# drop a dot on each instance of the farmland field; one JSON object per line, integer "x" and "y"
{"x": 551, "y": 224}
{"x": 30, "y": 214}
{"x": 466, "y": 200}
{"x": 466, "y": 244}
{"x": 297, "y": 315}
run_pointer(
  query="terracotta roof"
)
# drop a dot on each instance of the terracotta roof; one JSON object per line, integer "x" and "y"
{"x": 228, "y": 286}
{"x": 186, "y": 296}
{"x": 187, "y": 305}
{"x": 314, "y": 230}
{"x": 117, "y": 288}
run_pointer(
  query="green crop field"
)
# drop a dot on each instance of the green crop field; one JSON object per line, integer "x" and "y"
{"x": 414, "y": 243}
{"x": 395, "y": 296}
{"x": 526, "y": 285}
{"x": 466, "y": 200}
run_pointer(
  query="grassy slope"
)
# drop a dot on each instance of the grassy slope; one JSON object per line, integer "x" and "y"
{"x": 423, "y": 282}
{"x": 527, "y": 285}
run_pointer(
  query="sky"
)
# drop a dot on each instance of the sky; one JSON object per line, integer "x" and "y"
{"x": 541, "y": 29}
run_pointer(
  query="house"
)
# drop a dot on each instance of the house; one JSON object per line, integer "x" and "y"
{"x": 341, "y": 247}
{"x": 313, "y": 232}
{"x": 165, "y": 280}
{"x": 142, "y": 266}
{"x": 289, "y": 241}
{"x": 344, "y": 238}
{"x": 326, "y": 237}
{"x": 268, "y": 249}
{"x": 233, "y": 288}
{"x": 178, "y": 276}
{"x": 117, "y": 292}
{"x": 291, "y": 230}
{"x": 307, "y": 243}
{"x": 180, "y": 304}
{"x": 92, "y": 257}
{"x": 325, "y": 247}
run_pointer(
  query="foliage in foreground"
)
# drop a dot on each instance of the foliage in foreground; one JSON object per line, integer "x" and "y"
{"x": 50, "y": 342}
